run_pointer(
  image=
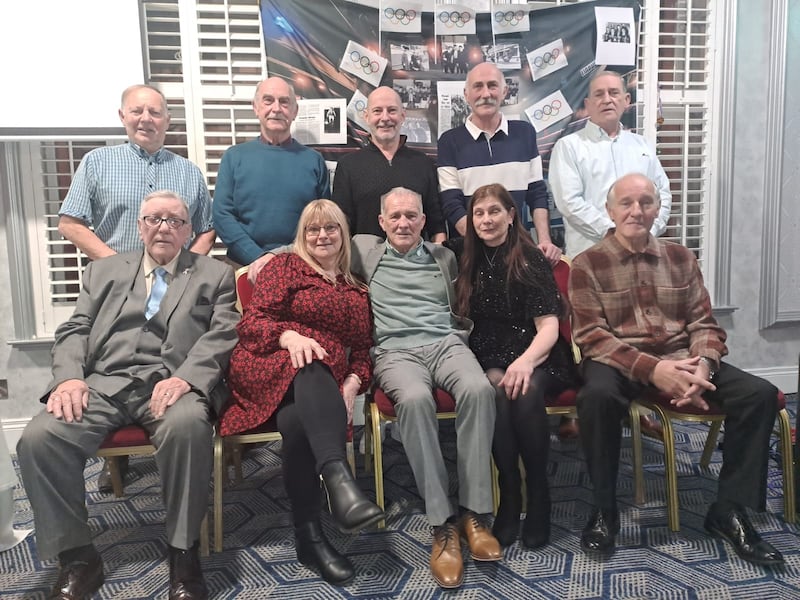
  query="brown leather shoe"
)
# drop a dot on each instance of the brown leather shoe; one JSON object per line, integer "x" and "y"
{"x": 447, "y": 563}
{"x": 482, "y": 544}
{"x": 79, "y": 579}
{"x": 186, "y": 580}
{"x": 568, "y": 429}
{"x": 651, "y": 427}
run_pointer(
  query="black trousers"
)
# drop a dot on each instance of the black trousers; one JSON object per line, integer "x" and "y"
{"x": 312, "y": 420}
{"x": 749, "y": 402}
{"x": 522, "y": 430}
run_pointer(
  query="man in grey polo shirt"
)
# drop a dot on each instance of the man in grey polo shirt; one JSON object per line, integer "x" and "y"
{"x": 421, "y": 344}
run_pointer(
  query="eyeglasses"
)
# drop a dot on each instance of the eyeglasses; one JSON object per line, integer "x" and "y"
{"x": 314, "y": 230}
{"x": 172, "y": 222}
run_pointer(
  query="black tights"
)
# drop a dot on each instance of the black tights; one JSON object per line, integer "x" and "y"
{"x": 521, "y": 430}
{"x": 312, "y": 420}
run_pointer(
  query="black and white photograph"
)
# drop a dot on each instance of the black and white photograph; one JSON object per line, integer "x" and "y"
{"x": 409, "y": 57}
{"x": 414, "y": 93}
{"x": 505, "y": 56}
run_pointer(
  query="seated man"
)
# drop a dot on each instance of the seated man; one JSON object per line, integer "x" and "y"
{"x": 148, "y": 343}
{"x": 642, "y": 317}
{"x": 421, "y": 345}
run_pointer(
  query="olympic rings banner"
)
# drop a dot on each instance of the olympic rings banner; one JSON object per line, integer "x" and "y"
{"x": 343, "y": 49}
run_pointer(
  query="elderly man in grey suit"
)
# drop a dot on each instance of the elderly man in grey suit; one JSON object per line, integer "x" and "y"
{"x": 421, "y": 344}
{"x": 148, "y": 343}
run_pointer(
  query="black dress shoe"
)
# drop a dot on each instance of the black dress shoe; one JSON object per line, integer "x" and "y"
{"x": 349, "y": 506}
{"x": 186, "y": 580}
{"x": 314, "y": 551}
{"x": 599, "y": 534}
{"x": 79, "y": 579}
{"x": 104, "y": 484}
{"x": 734, "y": 527}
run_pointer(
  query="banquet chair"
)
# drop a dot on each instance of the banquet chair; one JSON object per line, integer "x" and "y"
{"x": 231, "y": 445}
{"x": 133, "y": 440}
{"x": 660, "y": 403}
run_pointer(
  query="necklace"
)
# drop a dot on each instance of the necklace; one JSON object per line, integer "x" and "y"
{"x": 494, "y": 255}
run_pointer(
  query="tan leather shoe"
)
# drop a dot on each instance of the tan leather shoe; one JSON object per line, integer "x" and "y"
{"x": 482, "y": 544}
{"x": 447, "y": 563}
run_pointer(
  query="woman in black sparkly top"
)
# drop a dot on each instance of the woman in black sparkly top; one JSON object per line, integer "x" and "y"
{"x": 506, "y": 287}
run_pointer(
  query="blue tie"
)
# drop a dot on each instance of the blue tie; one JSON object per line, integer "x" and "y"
{"x": 156, "y": 292}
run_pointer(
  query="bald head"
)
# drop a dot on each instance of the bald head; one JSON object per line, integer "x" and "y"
{"x": 632, "y": 204}
{"x": 385, "y": 117}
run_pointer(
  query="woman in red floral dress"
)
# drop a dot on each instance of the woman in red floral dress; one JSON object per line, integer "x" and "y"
{"x": 303, "y": 356}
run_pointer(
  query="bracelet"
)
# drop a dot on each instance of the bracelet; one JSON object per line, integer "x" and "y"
{"x": 356, "y": 377}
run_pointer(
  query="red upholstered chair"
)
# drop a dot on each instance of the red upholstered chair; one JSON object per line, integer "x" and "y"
{"x": 660, "y": 404}
{"x": 231, "y": 444}
{"x": 134, "y": 440}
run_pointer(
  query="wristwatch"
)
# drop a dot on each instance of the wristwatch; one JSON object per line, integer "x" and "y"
{"x": 712, "y": 367}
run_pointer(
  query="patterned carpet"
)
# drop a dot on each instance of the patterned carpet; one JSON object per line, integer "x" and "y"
{"x": 259, "y": 561}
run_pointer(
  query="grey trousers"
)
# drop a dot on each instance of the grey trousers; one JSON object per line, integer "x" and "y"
{"x": 408, "y": 378}
{"x": 52, "y": 456}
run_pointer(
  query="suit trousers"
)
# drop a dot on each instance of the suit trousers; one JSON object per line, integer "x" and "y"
{"x": 408, "y": 377}
{"x": 750, "y": 405}
{"x": 52, "y": 455}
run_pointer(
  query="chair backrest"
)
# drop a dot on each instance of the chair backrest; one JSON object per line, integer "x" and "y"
{"x": 561, "y": 275}
{"x": 244, "y": 289}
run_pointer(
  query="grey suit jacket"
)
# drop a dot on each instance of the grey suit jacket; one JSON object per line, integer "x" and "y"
{"x": 199, "y": 309}
{"x": 367, "y": 251}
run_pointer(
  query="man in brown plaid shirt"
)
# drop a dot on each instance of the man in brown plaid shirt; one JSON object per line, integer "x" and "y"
{"x": 642, "y": 317}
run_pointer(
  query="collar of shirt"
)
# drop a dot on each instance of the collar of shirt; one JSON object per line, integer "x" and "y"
{"x": 403, "y": 138}
{"x": 476, "y": 131}
{"x": 653, "y": 247}
{"x": 416, "y": 251}
{"x": 597, "y": 133}
{"x": 150, "y": 265}
{"x": 157, "y": 156}
{"x": 284, "y": 144}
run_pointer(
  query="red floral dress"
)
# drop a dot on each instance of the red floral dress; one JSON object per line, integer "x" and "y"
{"x": 290, "y": 295}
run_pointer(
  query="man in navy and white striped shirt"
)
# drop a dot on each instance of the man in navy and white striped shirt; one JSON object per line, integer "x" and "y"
{"x": 489, "y": 148}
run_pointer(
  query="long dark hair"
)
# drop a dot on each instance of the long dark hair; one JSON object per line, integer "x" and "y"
{"x": 518, "y": 243}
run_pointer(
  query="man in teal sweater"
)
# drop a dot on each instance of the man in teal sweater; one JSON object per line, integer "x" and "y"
{"x": 264, "y": 184}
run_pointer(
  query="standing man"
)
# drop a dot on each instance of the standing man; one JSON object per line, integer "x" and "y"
{"x": 148, "y": 343}
{"x": 420, "y": 345}
{"x": 584, "y": 164}
{"x": 362, "y": 177}
{"x": 489, "y": 148}
{"x": 642, "y": 319}
{"x": 111, "y": 181}
{"x": 264, "y": 184}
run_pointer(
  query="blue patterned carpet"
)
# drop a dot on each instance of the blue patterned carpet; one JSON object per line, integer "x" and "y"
{"x": 259, "y": 561}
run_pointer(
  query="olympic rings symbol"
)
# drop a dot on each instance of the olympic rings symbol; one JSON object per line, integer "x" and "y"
{"x": 547, "y": 111}
{"x": 548, "y": 58}
{"x": 368, "y": 66}
{"x": 400, "y": 15}
{"x": 360, "y": 106}
{"x": 511, "y": 17}
{"x": 455, "y": 18}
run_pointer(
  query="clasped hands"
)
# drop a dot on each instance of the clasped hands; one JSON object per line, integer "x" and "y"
{"x": 71, "y": 398}
{"x": 685, "y": 380}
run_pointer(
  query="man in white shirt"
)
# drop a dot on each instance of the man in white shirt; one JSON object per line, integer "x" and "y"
{"x": 584, "y": 164}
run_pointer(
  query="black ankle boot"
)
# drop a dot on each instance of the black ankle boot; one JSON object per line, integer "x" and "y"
{"x": 506, "y": 523}
{"x": 536, "y": 529}
{"x": 314, "y": 551}
{"x": 348, "y": 504}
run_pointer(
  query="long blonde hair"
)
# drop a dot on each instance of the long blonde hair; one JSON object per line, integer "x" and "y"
{"x": 324, "y": 211}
